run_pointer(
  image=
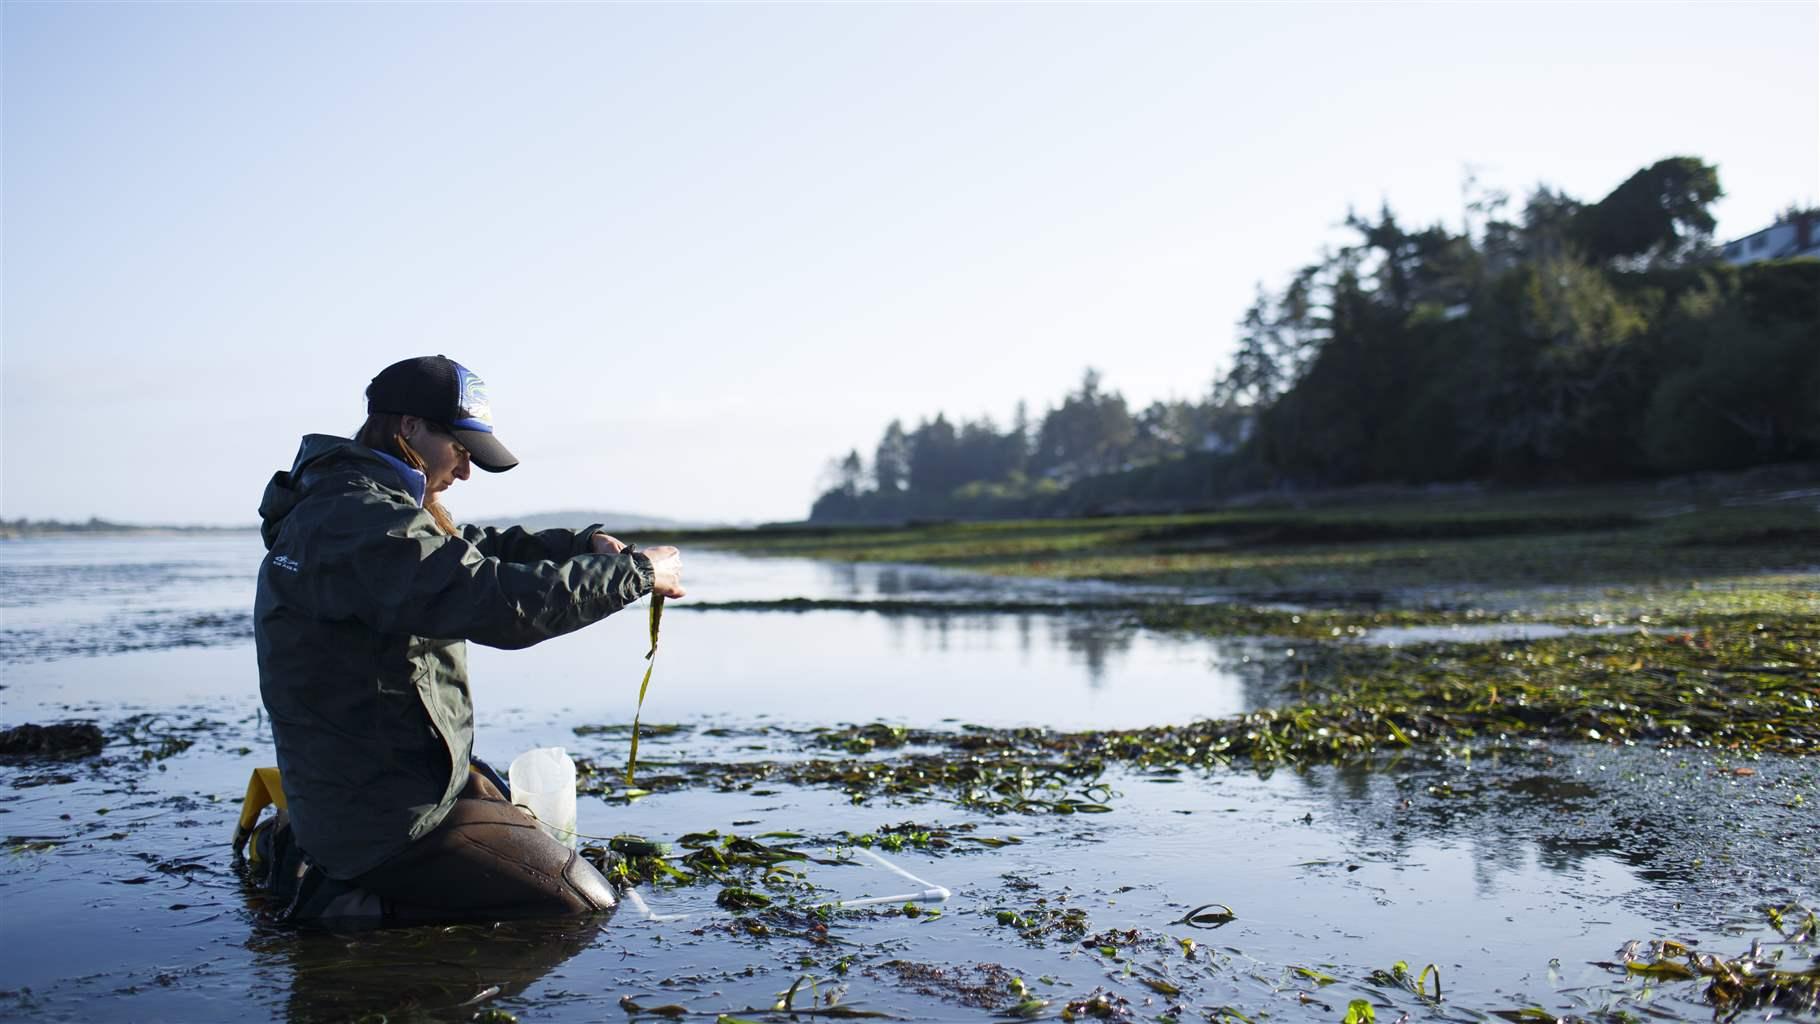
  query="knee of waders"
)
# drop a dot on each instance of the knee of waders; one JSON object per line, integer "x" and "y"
{"x": 588, "y": 882}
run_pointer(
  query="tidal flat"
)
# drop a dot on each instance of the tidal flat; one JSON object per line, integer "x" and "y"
{"x": 1425, "y": 760}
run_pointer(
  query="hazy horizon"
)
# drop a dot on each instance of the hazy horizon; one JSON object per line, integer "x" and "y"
{"x": 535, "y": 519}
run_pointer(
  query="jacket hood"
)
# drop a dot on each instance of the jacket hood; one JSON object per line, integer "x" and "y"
{"x": 317, "y": 452}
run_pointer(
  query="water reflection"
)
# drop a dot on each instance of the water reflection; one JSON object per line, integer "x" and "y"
{"x": 716, "y": 576}
{"x": 73, "y": 597}
{"x": 1570, "y": 810}
{"x": 1496, "y": 864}
{"x": 1096, "y": 643}
{"x": 1067, "y": 670}
{"x": 1098, "y": 646}
{"x": 1063, "y": 671}
{"x": 414, "y": 973}
{"x": 1504, "y": 812}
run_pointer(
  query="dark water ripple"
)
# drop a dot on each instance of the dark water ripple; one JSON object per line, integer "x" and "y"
{"x": 26, "y": 586}
{"x": 120, "y": 634}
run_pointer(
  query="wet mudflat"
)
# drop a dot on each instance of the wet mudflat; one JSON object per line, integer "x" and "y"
{"x": 1086, "y": 879}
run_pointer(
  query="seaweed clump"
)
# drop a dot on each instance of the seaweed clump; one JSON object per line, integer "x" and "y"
{"x": 1753, "y": 687}
{"x": 1758, "y": 979}
{"x": 58, "y": 741}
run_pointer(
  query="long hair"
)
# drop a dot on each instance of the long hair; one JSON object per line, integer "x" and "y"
{"x": 384, "y": 432}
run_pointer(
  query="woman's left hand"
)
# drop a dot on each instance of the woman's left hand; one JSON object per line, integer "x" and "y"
{"x": 606, "y": 544}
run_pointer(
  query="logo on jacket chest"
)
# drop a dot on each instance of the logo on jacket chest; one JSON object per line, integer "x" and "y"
{"x": 287, "y": 563}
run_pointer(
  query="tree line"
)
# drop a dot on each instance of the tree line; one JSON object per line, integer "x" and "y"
{"x": 1551, "y": 340}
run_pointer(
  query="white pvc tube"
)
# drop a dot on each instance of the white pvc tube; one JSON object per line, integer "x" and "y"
{"x": 644, "y": 909}
{"x": 931, "y": 893}
{"x": 935, "y": 895}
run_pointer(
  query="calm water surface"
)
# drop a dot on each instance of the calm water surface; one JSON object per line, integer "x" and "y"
{"x": 1511, "y": 874}
{"x": 67, "y": 598}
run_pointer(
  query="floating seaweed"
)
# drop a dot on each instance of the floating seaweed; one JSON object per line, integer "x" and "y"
{"x": 1761, "y": 978}
{"x": 1753, "y": 687}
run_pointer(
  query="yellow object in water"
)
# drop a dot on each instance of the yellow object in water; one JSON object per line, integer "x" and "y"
{"x": 266, "y": 789}
{"x": 263, "y": 790}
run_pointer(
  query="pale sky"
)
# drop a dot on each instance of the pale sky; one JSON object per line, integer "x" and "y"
{"x": 698, "y": 250}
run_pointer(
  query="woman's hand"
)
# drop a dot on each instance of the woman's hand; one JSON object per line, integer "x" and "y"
{"x": 666, "y": 562}
{"x": 666, "y": 570}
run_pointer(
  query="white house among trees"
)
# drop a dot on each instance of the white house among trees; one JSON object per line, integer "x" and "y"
{"x": 1796, "y": 233}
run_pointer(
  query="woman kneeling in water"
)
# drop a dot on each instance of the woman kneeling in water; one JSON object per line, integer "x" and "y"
{"x": 366, "y": 598}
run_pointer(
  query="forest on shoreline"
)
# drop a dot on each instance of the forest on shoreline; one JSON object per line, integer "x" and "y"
{"x": 16, "y": 529}
{"x": 1558, "y": 342}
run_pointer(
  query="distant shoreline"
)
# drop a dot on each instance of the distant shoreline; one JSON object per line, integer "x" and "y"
{"x": 22, "y": 529}
{"x": 25, "y": 529}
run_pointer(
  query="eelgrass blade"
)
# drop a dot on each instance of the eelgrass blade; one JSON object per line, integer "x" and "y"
{"x": 632, "y": 758}
{"x": 657, "y": 614}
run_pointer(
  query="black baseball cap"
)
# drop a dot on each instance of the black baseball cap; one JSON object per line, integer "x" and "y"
{"x": 443, "y": 391}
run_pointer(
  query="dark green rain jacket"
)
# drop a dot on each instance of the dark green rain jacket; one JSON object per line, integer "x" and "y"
{"x": 361, "y": 618}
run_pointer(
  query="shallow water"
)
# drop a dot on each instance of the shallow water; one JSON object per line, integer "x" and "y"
{"x": 1510, "y": 873}
{"x": 74, "y": 598}
{"x": 1479, "y": 632}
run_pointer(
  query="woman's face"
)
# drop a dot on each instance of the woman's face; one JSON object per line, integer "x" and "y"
{"x": 444, "y": 459}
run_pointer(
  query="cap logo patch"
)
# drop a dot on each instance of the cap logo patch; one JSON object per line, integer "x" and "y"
{"x": 472, "y": 400}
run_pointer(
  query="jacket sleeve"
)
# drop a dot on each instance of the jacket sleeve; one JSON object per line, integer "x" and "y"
{"x": 391, "y": 568}
{"x": 518, "y": 544}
